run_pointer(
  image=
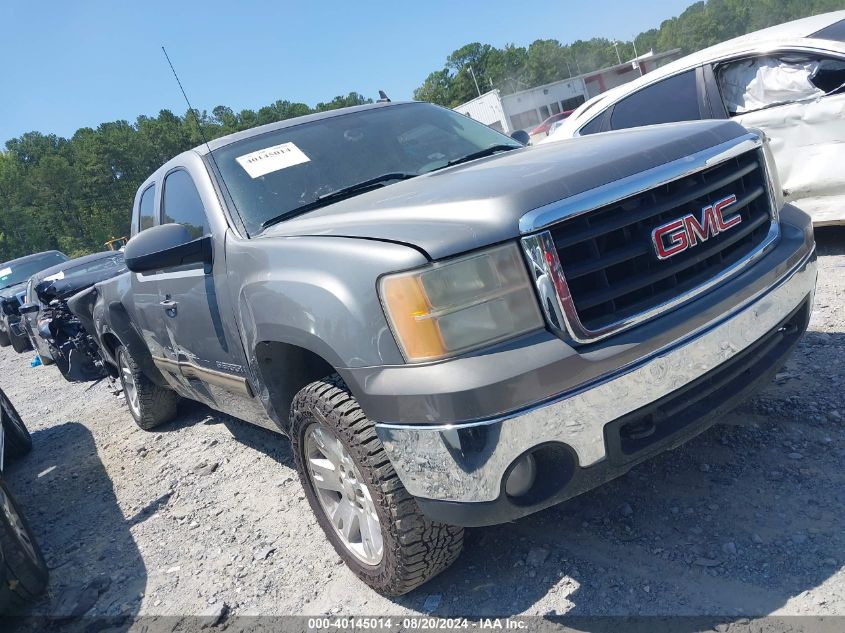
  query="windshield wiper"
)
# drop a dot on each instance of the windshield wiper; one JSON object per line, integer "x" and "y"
{"x": 487, "y": 151}
{"x": 334, "y": 196}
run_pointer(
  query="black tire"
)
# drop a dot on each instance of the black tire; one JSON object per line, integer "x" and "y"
{"x": 154, "y": 405}
{"x": 4, "y": 339}
{"x": 23, "y": 570}
{"x": 20, "y": 344}
{"x": 415, "y": 549}
{"x": 17, "y": 439}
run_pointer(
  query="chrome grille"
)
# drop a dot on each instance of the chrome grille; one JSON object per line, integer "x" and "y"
{"x": 608, "y": 257}
{"x": 602, "y": 262}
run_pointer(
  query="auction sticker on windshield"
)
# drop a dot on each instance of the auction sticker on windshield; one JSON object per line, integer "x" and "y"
{"x": 271, "y": 159}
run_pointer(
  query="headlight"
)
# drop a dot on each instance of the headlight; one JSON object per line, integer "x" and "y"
{"x": 451, "y": 307}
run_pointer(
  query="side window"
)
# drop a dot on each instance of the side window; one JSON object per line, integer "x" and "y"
{"x": 146, "y": 213}
{"x": 762, "y": 82}
{"x": 593, "y": 126}
{"x": 182, "y": 204}
{"x": 673, "y": 99}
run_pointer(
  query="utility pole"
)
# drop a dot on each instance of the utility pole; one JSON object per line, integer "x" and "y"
{"x": 616, "y": 48}
{"x": 474, "y": 80}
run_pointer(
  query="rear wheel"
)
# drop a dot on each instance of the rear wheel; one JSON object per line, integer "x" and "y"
{"x": 17, "y": 440}
{"x": 149, "y": 404}
{"x": 23, "y": 570}
{"x": 373, "y": 523}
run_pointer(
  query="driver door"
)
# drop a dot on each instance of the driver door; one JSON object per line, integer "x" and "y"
{"x": 207, "y": 359}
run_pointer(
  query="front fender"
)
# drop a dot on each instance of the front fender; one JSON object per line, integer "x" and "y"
{"x": 318, "y": 293}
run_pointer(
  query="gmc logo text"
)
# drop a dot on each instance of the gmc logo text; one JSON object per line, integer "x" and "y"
{"x": 679, "y": 235}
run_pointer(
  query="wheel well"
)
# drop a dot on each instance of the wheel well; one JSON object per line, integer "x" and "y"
{"x": 110, "y": 343}
{"x": 285, "y": 370}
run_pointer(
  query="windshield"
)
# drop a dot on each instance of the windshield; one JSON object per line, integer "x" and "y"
{"x": 109, "y": 266}
{"x": 113, "y": 262}
{"x": 12, "y": 273}
{"x": 277, "y": 172}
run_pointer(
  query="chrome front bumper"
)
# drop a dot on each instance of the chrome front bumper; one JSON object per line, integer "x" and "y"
{"x": 449, "y": 463}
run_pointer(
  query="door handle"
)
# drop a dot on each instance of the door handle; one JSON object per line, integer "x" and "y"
{"x": 169, "y": 307}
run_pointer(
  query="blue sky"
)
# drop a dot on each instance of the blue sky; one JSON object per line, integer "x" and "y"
{"x": 73, "y": 64}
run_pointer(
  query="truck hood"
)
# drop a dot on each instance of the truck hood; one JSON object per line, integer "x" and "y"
{"x": 479, "y": 203}
{"x": 11, "y": 292}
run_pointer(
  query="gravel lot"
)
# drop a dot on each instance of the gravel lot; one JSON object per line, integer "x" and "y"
{"x": 747, "y": 519}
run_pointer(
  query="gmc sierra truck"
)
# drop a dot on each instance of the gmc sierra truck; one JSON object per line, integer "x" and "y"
{"x": 453, "y": 329}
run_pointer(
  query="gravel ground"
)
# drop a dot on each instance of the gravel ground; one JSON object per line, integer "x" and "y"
{"x": 747, "y": 519}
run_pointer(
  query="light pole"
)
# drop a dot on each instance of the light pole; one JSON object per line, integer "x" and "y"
{"x": 636, "y": 56}
{"x": 474, "y": 80}
{"x": 616, "y": 48}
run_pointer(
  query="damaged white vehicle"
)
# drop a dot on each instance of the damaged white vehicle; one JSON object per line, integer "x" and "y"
{"x": 787, "y": 80}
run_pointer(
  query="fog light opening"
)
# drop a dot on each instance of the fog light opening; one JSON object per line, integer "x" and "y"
{"x": 522, "y": 476}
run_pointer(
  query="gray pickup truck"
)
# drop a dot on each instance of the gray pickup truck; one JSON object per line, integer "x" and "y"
{"x": 453, "y": 329}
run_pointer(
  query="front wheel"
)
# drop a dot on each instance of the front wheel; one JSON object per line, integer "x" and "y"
{"x": 17, "y": 439}
{"x": 4, "y": 339}
{"x": 373, "y": 523}
{"x": 149, "y": 404}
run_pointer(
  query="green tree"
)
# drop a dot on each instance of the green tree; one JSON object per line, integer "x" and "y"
{"x": 437, "y": 88}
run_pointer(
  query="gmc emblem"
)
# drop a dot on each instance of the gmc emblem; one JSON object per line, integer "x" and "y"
{"x": 679, "y": 235}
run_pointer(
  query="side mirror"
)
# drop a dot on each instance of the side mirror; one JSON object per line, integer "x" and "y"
{"x": 521, "y": 136}
{"x": 29, "y": 308}
{"x": 166, "y": 246}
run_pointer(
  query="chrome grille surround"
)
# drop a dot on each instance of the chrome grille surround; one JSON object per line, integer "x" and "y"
{"x": 548, "y": 273}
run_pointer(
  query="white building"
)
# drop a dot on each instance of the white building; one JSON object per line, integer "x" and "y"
{"x": 526, "y": 109}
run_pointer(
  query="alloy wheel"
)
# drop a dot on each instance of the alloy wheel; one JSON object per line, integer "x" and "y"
{"x": 343, "y": 494}
{"x": 129, "y": 386}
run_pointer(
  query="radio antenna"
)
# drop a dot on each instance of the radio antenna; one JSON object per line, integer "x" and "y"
{"x": 193, "y": 112}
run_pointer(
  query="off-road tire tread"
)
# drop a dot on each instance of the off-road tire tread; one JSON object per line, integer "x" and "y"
{"x": 415, "y": 548}
{"x": 157, "y": 404}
